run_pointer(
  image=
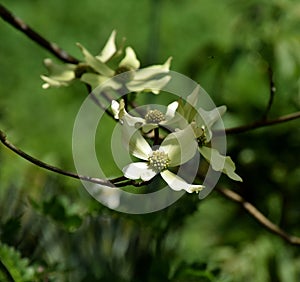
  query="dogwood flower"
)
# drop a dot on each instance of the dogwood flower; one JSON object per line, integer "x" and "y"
{"x": 61, "y": 75}
{"x": 152, "y": 119}
{"x": 202, "y": 122}
{"x": 177, "y": 148}
{"x": 95, "y": 70}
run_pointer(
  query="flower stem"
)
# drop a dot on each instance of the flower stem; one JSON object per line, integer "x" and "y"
{"x": 156, "y": 136}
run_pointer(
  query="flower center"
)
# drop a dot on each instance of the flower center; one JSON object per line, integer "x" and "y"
{"x": 154, "y": 116}
{"x": 158, "y": 161}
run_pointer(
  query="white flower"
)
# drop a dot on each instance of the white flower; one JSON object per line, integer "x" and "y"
{"x": 151, "y": 79}
{"x": 177, "y": 148}
{"x": 60, "y": 75}
{"x": 153, "y": 118}
{"x": 201, "y": 120}
{"x": 220, "y": 162}
{"x": 95, "y": 70}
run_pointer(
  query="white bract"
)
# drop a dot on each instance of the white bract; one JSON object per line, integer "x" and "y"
{"x": 61, "y": 75}
{"x": 202, "y": 122}
{"x": 95, "y": 70}
{"x": 153, "y": 118}
{"x": 176, "y": 149}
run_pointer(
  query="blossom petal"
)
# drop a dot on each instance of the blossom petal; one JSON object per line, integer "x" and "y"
{"x": 139, "y": 170}
{"x": 211, "y": 117}
{"x": 93, "y": 79}
{"x": 59, "y": 75}
{"x": 135, "y": 142}
{"x": 171, "y": 110}
{"x": 50, "y": 82}
{"x": 95, "y": 63}
{"x": 220, "y": 162}
{"x": 130, "y": 61}
{"x": 177, "y": 183}
{"x": 109, "y": 49}
{"x": 147, "y": 73}
{"x": 180, "y": 146}
{"x": 149, "y": 126}
{"x": 115, "y": 107}
{"x": 151, "y": 85}
{"x": 65, "y": 72}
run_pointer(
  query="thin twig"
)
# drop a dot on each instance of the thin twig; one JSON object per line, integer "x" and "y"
{"x": 272, "y": 93}
{"x": 262, "y": 219}
{"x": 119, "y": 181}
{"x": 7, "y": 16}
{"x": 50, "y": 167}
{"x": 252, "y": 210}
{"x": 259, "y": 124}
{"x": 156, "y": 136}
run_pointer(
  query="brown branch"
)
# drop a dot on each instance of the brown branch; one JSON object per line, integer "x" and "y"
{"x": 259, "y": 124}
{"x": 122, "y": 182}
{"x": 41, "y": 164}
{"x": 119, "y": 182}
{"x": 262, "y": 219}
{"x": 7, "y": 16}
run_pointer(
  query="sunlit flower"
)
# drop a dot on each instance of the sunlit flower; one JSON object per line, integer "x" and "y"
{"x": 202, "y": 122}
{"x": 152, "y": 119}
{"x": 95, "y": 70}
{"x": 60, "y": 75}
{"x": 176, "y": 149}
{"x": 219, "y": 162}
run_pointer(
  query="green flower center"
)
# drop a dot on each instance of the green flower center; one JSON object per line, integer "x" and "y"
{"x": 154, "y": 116}
{"x": 158, "y": 161}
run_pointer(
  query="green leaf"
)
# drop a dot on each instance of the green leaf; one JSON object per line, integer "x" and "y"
{"x": 17, "y": 266}
{"x": 10, "y": 229}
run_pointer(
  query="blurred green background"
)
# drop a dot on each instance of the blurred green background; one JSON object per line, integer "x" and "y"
{"x": 52, "y": 230}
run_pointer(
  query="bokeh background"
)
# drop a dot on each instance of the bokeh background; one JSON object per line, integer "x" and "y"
{"x": 52, "y": 230}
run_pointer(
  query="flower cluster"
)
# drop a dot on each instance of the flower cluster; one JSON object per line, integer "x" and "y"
{"x": 161, "y": 140}
{"x": 111, "y": 61}
{"x": 190, "y": 130}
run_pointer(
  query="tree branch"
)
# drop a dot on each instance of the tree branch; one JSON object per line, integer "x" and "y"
{"x": 122, "y": 182}
{"x": 119, "y": 182}
{"x": 7, "y": 16}
{"x": 259, "y": 124}
{"x": 41, "y": 164}
{"x": 262, "y": 219}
